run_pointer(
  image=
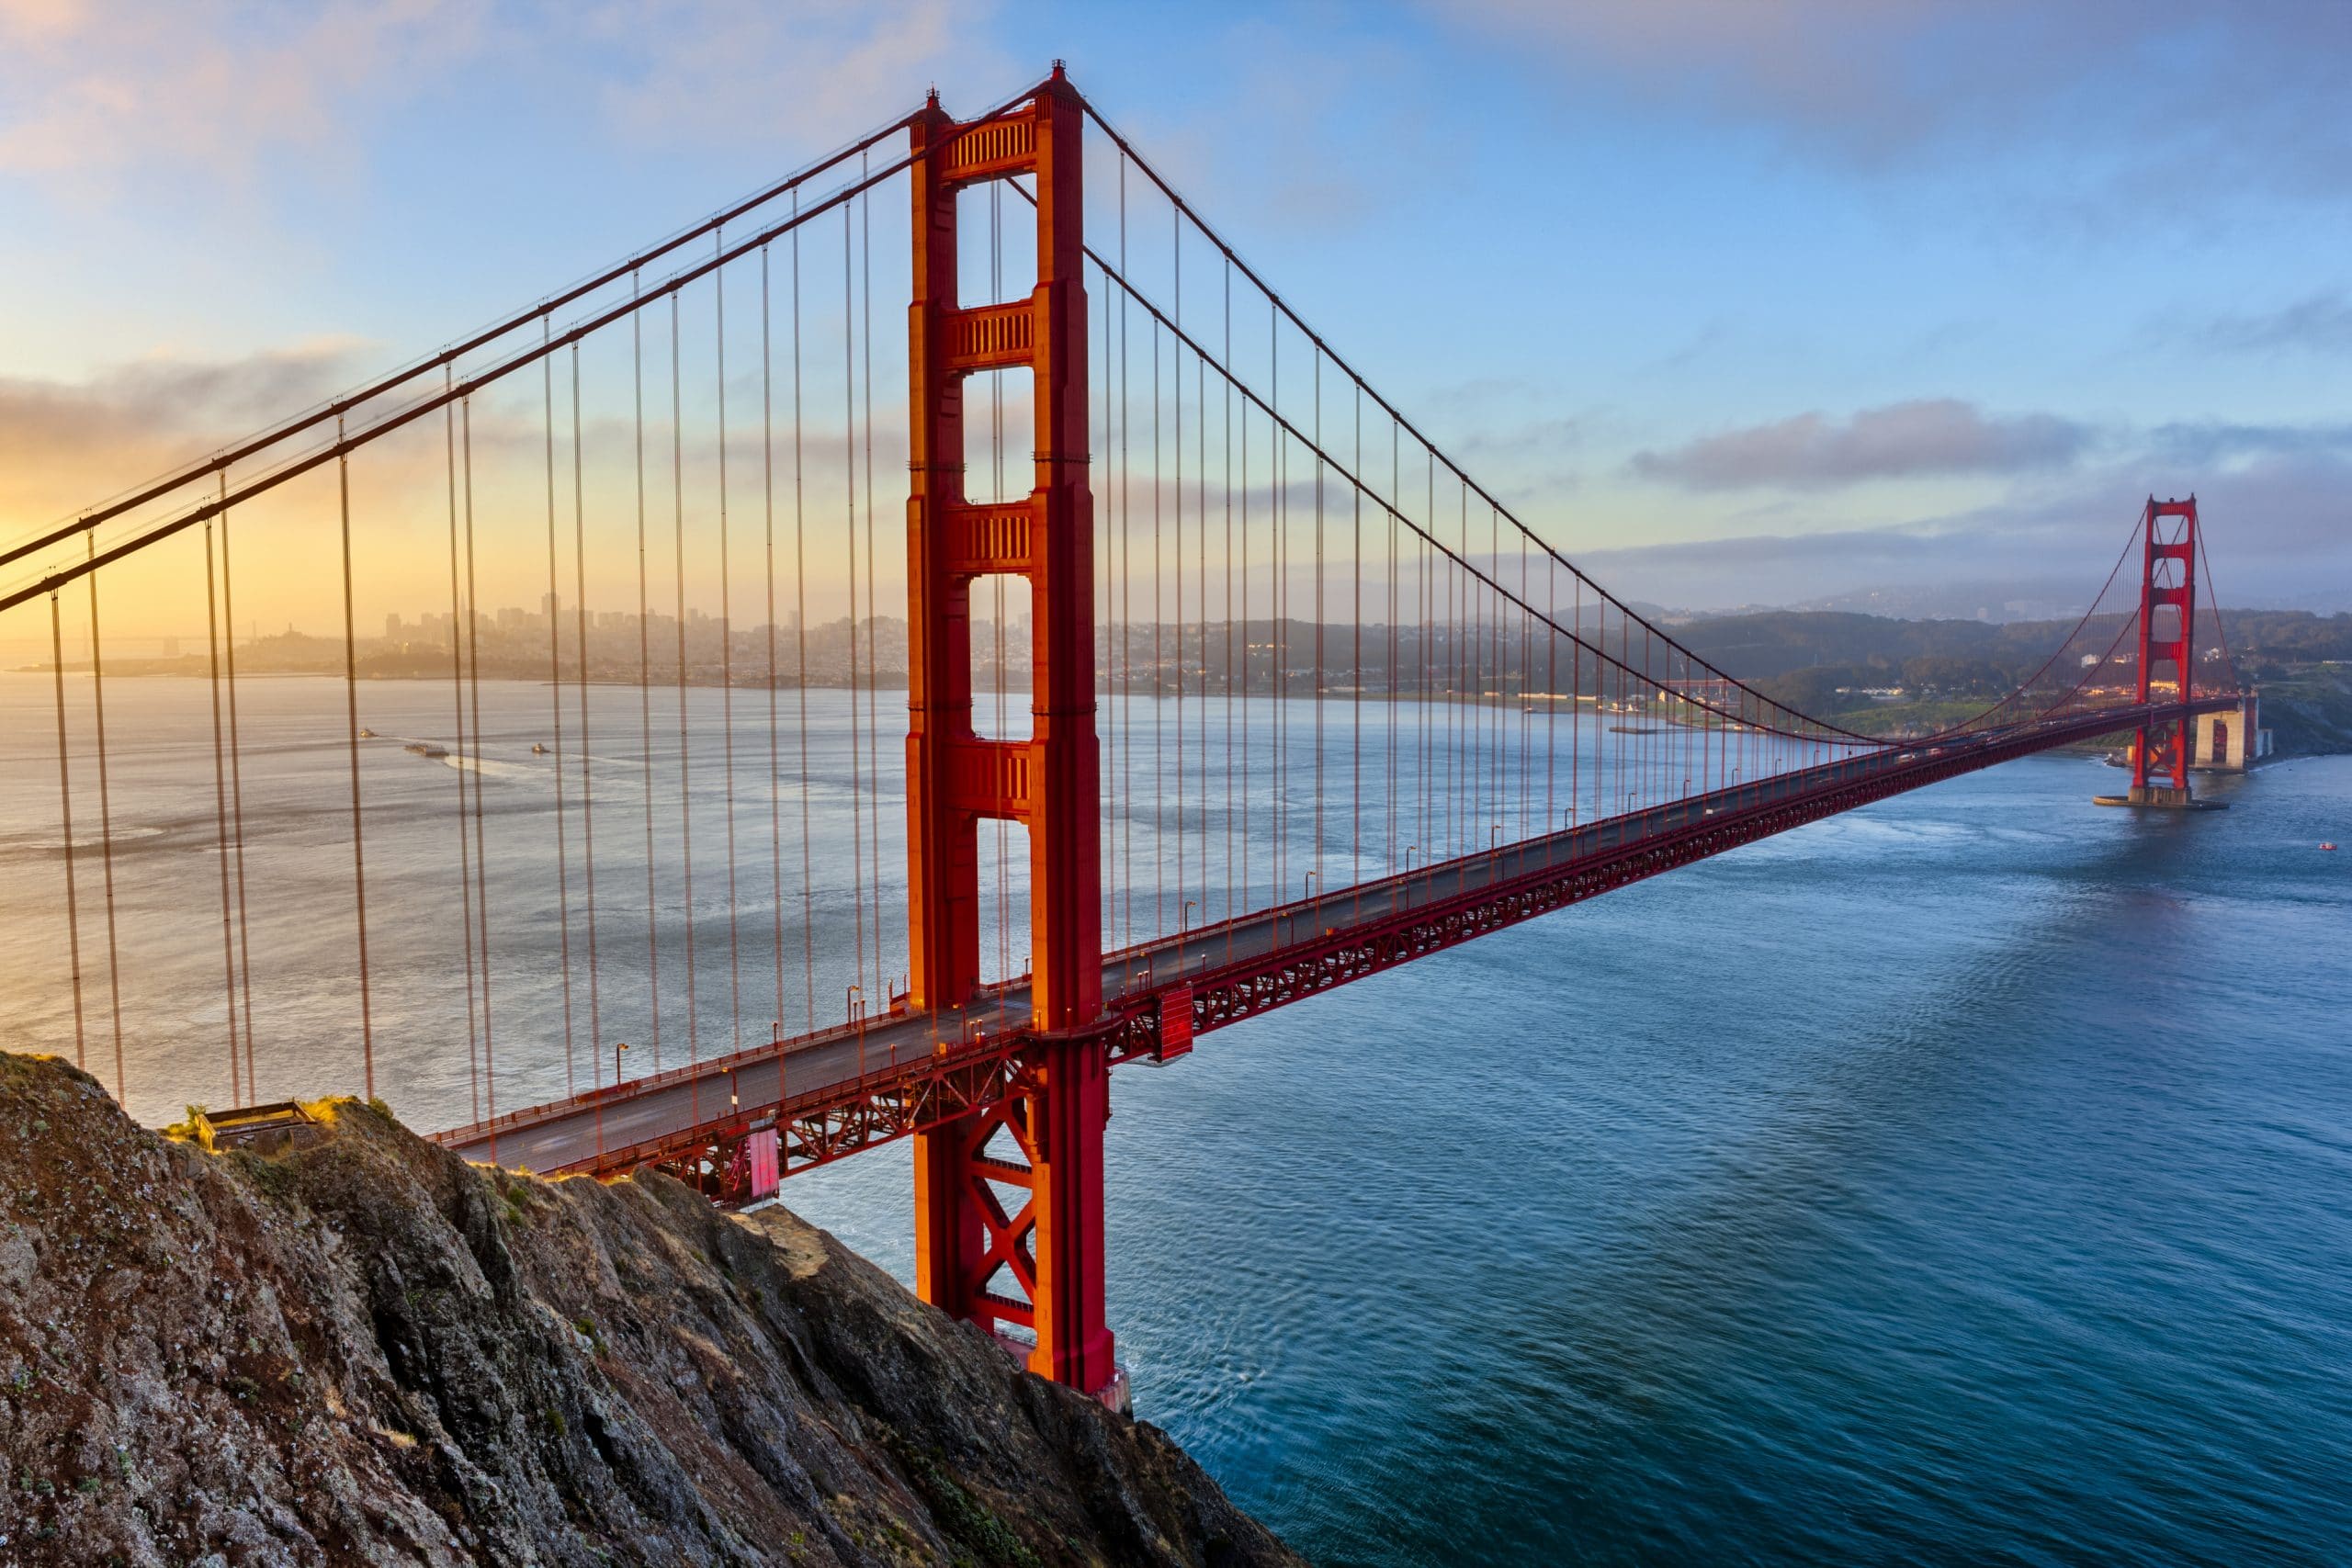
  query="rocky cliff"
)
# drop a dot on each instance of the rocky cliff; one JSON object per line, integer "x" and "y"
{"x": 368, "y": 1351}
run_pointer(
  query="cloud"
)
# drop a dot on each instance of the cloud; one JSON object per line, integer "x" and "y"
{"x": 702, "y": 70}
{"x": 130, "y": 420}
{"x": 2320, "y": 323}
{"x": 2278, "y": 523}
{"x": 2186, "y": 101}
{"x": 203, "y": 84}
{"x": 1929, "y": 436}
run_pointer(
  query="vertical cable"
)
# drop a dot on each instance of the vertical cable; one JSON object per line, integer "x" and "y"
{"x": 872, "y": 669}
{"x": 351, "y": 715}
{"x": 555, "y": 712}
{"x": 1201, "y": 609}
{"x": 105, "y": 818}
{"x": 1107, "y": 604}
{"x": 1159, "y": 667}
{"x": 236, "y": 786}
{"x": 587, "y": 796}
{"x": 645, "y": 689}
{"x": 775, "y": 749}
{"x": 1127, "y": 601}
{"x": 1176, "y": 365}
{"x": 221, "y": 821}
{"x": 1277, "y": 465}
{"x": 727, "y": 673}
{"x": 1241, "y": 802}
{"x": 473, "y": 679}
{"x": 1397, "y": 496}
{"x": 1355, "y": 657}
{"x": 1551, "y": 688}
{"x": 800, "y": 643}
{"x": 1225, "y": 449}
{"x": 848, "y": 543}
{"x": 1314, "y": 858}
{"x": 686, "y": 770}
{"x": 65, "y": 806}
{"x": 458, "y": 615}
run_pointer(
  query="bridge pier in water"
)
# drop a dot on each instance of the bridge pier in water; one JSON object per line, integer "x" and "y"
{"x": 1009, "y": 1199}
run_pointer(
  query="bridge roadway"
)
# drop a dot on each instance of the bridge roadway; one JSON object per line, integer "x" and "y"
{"x": 667, "y": 1109}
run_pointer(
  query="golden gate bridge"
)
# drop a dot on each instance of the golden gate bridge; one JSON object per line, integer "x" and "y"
{"x": 1306, "y": 702}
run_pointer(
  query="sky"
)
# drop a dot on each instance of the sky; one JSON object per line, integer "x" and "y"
{"x": 1736, "y": 303}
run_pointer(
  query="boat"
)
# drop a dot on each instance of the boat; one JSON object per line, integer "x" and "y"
{"x": 2326, "y": 846}
{"x": 422, "y": 749}
{"x": 367, "y": 735}
{"x": 537, "y": 750}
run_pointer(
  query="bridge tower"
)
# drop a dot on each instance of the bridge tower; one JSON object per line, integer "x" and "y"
{"x": 2168, "y": 577}
{"x": 1037, "y": 1266}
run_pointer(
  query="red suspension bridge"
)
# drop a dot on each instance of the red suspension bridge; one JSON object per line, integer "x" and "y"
{"x": 1305, "y": 702}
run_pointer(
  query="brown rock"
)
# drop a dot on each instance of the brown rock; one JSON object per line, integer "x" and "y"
{"x": 368, "y": 1351}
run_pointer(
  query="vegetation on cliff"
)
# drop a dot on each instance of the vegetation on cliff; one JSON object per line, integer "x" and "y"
{"x": 368, "y": 1351}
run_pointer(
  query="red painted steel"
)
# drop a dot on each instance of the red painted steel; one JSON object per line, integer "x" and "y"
{"x": 969, "y": 1251}
{"x": 979, "y": 1076}
{"x": 2162, "y": 747}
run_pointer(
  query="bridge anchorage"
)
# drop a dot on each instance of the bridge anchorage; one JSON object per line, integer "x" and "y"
{"x": 1400, "y": 719}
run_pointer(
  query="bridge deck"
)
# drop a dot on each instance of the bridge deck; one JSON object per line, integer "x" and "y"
{"x": 666, "y": 1113}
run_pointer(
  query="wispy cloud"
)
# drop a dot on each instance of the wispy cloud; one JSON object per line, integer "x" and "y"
{"x": 2318, "y": 323}
{"x": 2186, "y": 101}
{"x": 1811, "y": 451}
{"x": 697, "y": 71}
{"x": 92, "y": 97}
{"x": 131, "y": 420}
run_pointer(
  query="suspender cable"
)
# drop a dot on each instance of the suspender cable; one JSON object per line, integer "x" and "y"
{"x": 236, "y": 788}
{"x": 1316, "y": 858}
{"x": 1388, "y": 670}
{"x": 1158, "y": 672}
{"x": 727, "y": 679}
{"x": 849, "y": 544}
{"x": 351, "y": 716}
{"x": 1127, "y": 605}
{"x": 458, "y": 615}
{"x": 65, "y": 811}
{"x": 473, "y": 680}
{"x": 767, "y": 532}
{"x": 1355, "y": 672}
{"x": 1278, "y": 471}
{"x": 587, "y": 794}
{"x": 1237, "y": 805}
{"x": 800, "y": 641}
{"x": 1107, "y": 603}
{"x": 686, "y": 770}
{"x": 1201, "y": 609}
{"x": 555, "y": 720}
{"x": 221, "y": 828}
{"x": 105, "y": 822}
{"x": 872, "y": 669}
{"x": 1225, "y": 449}
{"x": 645, "y": 697}
{"x": 1176, "y": 365}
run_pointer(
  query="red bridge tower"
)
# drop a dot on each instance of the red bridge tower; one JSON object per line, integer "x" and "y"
{"x": 1039, "y": 1267}
{"x": 2168, "y": 577}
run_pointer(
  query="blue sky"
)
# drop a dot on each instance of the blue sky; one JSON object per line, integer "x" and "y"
{"x": 1738, "y": 302}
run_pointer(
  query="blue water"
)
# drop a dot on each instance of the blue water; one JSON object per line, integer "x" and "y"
{"x": 1964, "y": 1180}
{"x": 1968, "y": 1180}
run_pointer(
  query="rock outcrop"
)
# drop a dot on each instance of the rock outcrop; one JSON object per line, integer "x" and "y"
{"x": 368, "y": 1351}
